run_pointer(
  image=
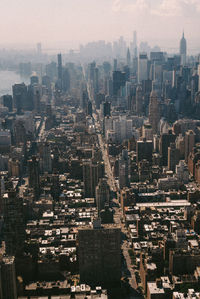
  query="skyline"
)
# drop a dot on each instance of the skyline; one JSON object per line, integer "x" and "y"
{"x": 70, "y": 23}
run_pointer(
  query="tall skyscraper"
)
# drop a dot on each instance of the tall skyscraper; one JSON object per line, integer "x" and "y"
{"x": 173, "y": 156}
{"x": 34, "y": 177}
{"x": 144, "y": 150}
{"x": 14, "y": 230}
{"x": 20, "y": 97}
{"x": 142, "y": 67}
{"x": 128, "y": 58}
{"x": 189, "y": 143}
{"x": 92, "y": 172}
{"x": 139, "y": 100}
{"x": 66, "y": 80}
{"x": 199, "y": 76}
{"x": 124, "y": 169}
{"x": 102, "y": 194}
{"x": 183, "y": 50}
{"x": 135, "y": 44}
{"x": 99, "y": 254}
{"x": 8, "y": 278}
{"x": 60, "y": 71}
{"x": 154, "y": 112}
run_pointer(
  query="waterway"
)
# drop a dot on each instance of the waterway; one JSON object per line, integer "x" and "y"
{"x": 9, "y": 78}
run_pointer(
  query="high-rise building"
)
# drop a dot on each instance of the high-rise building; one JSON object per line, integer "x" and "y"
{"x": 8, "y": 102}
{"x": 106, "y": 108}
{"x": 189, "y": 143}
{"x": 102, "y": 194}
{"x": 8, "y": 278}
{"x": 199, "y": 76}
{"x": 128, "y": 58}
{"x": 144, "y": 150}
{"x": 20, "y": 97}
{"x": 119, "y": 80}
{"x": 173, "y": 156}
{"x": 66, "y": 80}
{"x": 34, "y": 80}
{"x": 142, "y": 67}
{"x": 124, "y": 169}
{"x": 14, "y": 230}
{"x": 164, "y": 143}
{"x": 183, "y": 50}
{"x": 99, "y": 254}
{"x": 92, "y": 172}
{"x": 34, "y": 175}
{"x": 154, "y": 112}
{"x": 139, "y": 100}
{"x": 60, "y": 71}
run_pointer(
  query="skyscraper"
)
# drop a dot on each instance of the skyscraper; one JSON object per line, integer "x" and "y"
{"x": 13, "y": 223}
{"x": 60, "y": 71}
{"x": 20, "y": 97}
{"x": 183, "y": 50}
{"x": 154, "y": 112}
{"x": 92, "y": 172}
{"x": 128, "y": 58}
{"x": 34, "y": 178}
{"x": 102, "y": 194}
{"x": 139, "y": 100}
{"x": 142, "y": 67}
{"x": 99, "y": 254}
{"x": 8, "y": 278}
{"x": 173, "y": 156}
{"x": 189, "y": 143}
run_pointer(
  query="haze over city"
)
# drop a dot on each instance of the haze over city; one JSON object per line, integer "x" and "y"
{"x": 67, "y": 23}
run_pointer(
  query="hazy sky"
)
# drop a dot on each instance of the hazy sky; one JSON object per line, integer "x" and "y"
{"x": 76, "y": 21}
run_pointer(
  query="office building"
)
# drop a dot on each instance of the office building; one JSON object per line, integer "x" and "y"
{"x": 142, "y": 67}
{"x": 34, "y": 175}
{"x": 60, "y": 71}
{"x": 102, "y": 195}
{"x": 14, "y": 230}
{"x": 144, "y": 150}
{"x": 154, "y": 112}
{"x": 173, "y": 157}
{"x": 99, "y": 254}
{"x": 8, "y": 278}
{"x": 189, "y": 143}
{"x": 139, "y": 100}
{"x": 183, "y": 50}
{"x": 124, "y": 165}
{"x": 92, "y": 172}
{"x": 164, "y": 143}
{"x": 20, "y": 97}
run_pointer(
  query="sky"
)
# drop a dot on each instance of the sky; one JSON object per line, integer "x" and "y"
{"x": 71, "y": 22}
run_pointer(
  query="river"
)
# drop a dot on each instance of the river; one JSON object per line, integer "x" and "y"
{"x": 9, "y": 78}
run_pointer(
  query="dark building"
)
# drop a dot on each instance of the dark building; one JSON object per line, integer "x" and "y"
{"x": 60, "y": 72}
{"x": 34, "y": 175}
{"x": 8, "y": 278}
{"x": 119, "y": 80}
{"x": 8, "y": 102}
{"x": 20, "y": 97}
{"x": 99, "y": 254}
{"x": 66, "y": 80}
{"x": 164, "y": 143}
{"x": 92, "y": 172}
{"x": 144, "y": 149}
{"x": 102, "y": 194}
{"x": 173, "y": 156}
{"x": 13, "y": 223}
{"x": 34, "y": 80}
{"x": 106, "y": 109}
